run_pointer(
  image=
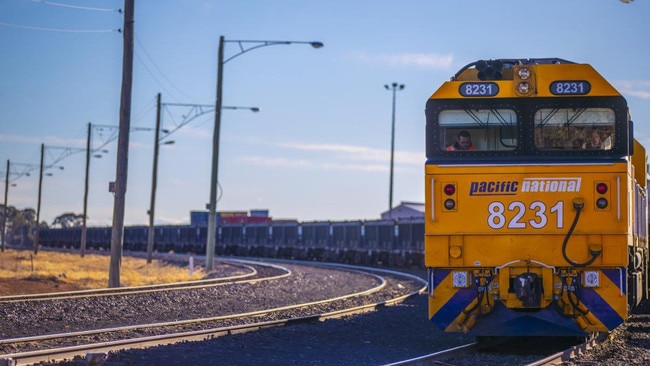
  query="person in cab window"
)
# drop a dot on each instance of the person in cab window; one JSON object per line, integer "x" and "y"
{"x": 596, "y": 141}
{"x": 463, "y": 142}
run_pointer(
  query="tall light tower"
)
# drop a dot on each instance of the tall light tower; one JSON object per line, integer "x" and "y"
{"x": 394, "y": 87}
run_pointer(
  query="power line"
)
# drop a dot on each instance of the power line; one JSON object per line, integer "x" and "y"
{"x": 157, "y": 68}
{"x": 151, "y": 74}
{"x": 143, "y": 113}
{"x": 59, "y": 29}
{"x": 75, "y": 6}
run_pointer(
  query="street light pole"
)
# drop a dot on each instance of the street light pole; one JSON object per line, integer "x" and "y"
{"x": 89, "y": 154}
{"x": 212, "y": 209}
{"x": 196, "y": 111}
{"x": 27, "y": 169}
{"x": 212, "y": 206}
{"x": 42, "y": 168}
{"x": 84, "y": 220}
{"x": 4, "y": 213}
{"x": 394, "y": 87}
{"x": 38, "y": 205}
{"x": 154, "y": 182}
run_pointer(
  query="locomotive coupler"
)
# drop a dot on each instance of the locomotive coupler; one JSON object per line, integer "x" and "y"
{"x": 528, "y": 289}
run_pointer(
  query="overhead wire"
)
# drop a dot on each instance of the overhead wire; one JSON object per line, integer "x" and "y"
{"x": 151, "y": 73}
{"x": 75, "y": 6}
{"x": 146, "y": 53}
{"x": 59, "y": 29}
{"x": 140, "y": 116}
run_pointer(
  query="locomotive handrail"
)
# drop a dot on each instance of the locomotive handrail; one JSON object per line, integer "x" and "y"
{"x": 511, "y": 62}
{"x": 496, "y": 269}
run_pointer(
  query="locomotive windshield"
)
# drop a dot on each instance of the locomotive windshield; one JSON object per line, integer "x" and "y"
{"x": 565, "y": 129}
{"x": 487, "y": 129}
{"x": 577, "y": 129}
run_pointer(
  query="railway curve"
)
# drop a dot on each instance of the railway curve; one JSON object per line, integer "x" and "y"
{"x": 331, "y": 292}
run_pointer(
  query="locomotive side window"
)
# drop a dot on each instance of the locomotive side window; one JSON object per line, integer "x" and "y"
{"x": 488, "y": 129}
{"x": 574, "y": 128}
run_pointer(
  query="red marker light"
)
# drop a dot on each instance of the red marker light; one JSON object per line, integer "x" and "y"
{"x": 450, "y": 189}
{"x": 601, "y": 188}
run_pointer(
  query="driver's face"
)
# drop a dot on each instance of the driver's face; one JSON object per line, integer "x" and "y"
{"x": 464, "y": 142}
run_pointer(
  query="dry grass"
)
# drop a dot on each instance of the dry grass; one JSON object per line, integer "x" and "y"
{"x": 91, "y": 271}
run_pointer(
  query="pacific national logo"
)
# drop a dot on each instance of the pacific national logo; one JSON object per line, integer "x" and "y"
{"x": 511, "y": 188}
{"x": 551, "y": 185}
{"x": 493, "y": 188}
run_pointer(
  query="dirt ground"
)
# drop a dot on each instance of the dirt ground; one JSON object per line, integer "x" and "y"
{"x": 10, "y": 287}
{"x": 22, "y": 272}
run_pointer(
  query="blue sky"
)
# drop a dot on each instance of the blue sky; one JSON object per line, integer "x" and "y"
{"x": 319, "y": 148}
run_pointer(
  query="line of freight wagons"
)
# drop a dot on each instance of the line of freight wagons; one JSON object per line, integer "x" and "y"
{"x": 374, "y": 243}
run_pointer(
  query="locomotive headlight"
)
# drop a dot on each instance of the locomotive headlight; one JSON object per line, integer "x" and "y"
{"x": 524, "y": 80}
{"x": 450, "y": 204}
{"x": 601, "y": 202}
{"x": 591, "y": 279}
{"x": 460, "y": 279}
{"x": 524, "y": 73}
{"x": 523, "y": 88}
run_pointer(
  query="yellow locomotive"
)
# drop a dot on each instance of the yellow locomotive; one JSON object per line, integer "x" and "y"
{"x": 536, "y": 201}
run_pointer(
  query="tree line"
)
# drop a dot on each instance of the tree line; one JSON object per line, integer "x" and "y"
{"x": 20, "y": 225}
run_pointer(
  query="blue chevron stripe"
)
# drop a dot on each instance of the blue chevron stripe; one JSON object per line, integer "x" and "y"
{"x": 600, "y": 308}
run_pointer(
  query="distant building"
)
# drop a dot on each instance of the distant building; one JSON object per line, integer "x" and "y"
{"x": 405, "y": 210}
{"x": 199, "y": 218}
{"x": 259, "y": 213}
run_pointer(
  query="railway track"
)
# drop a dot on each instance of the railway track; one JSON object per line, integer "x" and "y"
{"x": 252, "y": 272}
{"x": 527, "y": 352}
{"x": 379, "y": 288}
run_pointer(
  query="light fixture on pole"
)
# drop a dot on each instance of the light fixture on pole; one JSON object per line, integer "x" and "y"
{"x": 25, "y": 171}
{"x": 154, "y": 179}
{"x": 394, "y": 87}
{"x": 212, "y": 206}
{"x": 95, "y": 153}
{"x": 28, "y": 168}
{"x": 196, "y": 111}
{"x": 42, "y": 168}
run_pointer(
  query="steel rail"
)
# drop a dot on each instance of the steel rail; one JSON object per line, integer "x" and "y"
{"x": 473, "y": 348}
{"x": 23, "y": 358}
{"x": 428, "y": 359}
{"x": 571, "y": 352}
{"x": 190, "y": 321}
{"x": 134, "y": 290}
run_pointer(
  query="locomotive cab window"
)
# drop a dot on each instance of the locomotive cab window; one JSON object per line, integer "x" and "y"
{"x": 574, "y": 129}
{"x": 478, "y": 129}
